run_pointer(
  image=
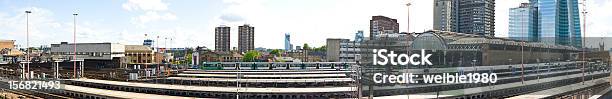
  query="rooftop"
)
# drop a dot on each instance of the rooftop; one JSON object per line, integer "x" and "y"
{"x": 137, "y": 48}
{"x": 463, "y": 38}
{"x": 7, "y": 40}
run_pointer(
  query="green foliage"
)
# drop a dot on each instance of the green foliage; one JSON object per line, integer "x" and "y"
{"x": 276, "y": 52}
{"x": 306, "y": 47}
{"x": 320, "y": 49}
{"x": 250, "y": 56}
{"x": 188, "y": 57}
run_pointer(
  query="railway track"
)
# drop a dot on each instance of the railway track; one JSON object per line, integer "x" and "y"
{"x": 21, "y": 94}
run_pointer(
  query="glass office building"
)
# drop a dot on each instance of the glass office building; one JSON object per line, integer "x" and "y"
{"x": 288, "y": 45}
{"x": 520, "y": 24}
{"x": 559, "y": 22}
{"x": 476, "y": 17}
{"x": 465, "y": 16}
{"x": 359, "y": 36}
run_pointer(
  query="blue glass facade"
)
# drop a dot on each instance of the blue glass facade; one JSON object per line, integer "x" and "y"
{"x": 520, "y": 23}
{"x": 576, "y": 33}
{"x": 559, "y": 22}
{"x": 288, "y": 45}
{"x": 534, "y": 22}
{"x": 359, "y": 36}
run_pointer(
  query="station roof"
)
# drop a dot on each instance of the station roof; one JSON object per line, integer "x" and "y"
{"x": 464, "y": 38}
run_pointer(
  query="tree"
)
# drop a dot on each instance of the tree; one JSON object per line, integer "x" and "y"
{"x": 320, "y": 49}
{"x": 188, "y": 58}
{"x": 250, "y": 56}
{"x": 306, "y": 47}
{"x": 276, "y": 52}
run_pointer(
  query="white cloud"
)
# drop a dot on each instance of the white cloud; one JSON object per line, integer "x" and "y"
{"x": 153, "y": 10}
{"x": 599, "y": 18}
{"x": 40, "y": 20}
{"x": 151, "y": 16}
{"x": 146, "y": 5}
{"x": 231, "y": 17}
{"x": 239, "y": 12}
{"x": 44, "y": 29}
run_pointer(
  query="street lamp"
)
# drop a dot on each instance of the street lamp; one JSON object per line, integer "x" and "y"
{"x": 165, "y": 47}
{"x": 408, "y": 24}
{"x": 28, "y": 41}
{"x": 173, "y": 59}
{"x": 584, "y": 13}
{"x": 75, "y": 51}
{"x": 165, "y": 55}
{"x": 158, "y": 69}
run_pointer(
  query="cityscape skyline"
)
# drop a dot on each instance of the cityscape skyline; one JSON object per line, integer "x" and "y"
{"x": 126, "y": 22}
{"x": 306, "y": 49}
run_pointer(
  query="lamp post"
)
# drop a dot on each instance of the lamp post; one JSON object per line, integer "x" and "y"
{"x": 584, "y": 12}
{"x": 28, "y": 42}
{"x": 165, "y": 48}
{"x": 408, "y": 24}
{"x": 165, "y": 55}
{"x": 74, "y": 44}
{"x": 158, "y": 64}
{"x": 171, "y": 41}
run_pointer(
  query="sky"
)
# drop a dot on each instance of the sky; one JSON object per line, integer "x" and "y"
{"x": 190, "y": 23}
